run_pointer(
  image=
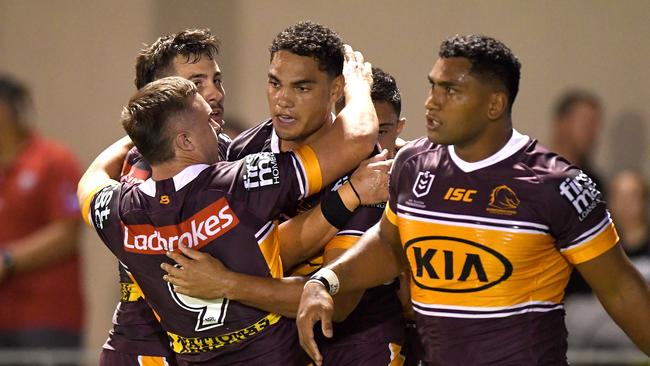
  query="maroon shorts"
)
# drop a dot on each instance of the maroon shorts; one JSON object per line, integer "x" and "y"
{"x": 364, "y": 354}
{"x": 115, "y": 358}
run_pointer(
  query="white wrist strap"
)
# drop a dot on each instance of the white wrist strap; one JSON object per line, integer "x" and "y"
{"x": 328, "y": 279}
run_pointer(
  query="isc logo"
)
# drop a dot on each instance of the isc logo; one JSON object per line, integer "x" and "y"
{"x": 448, "y": 264}
{"x": 460, "y": 194}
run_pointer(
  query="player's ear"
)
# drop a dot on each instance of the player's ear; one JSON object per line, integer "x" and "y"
{"x": 498, "y": 105}
{"x": 183, "y": 141}
{"x": 337, "y": 85}
{"x": 400, "y": 125}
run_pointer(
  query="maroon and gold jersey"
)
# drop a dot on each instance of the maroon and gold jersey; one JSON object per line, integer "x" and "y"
{"x": 491, "y": 245}
{"x": 226, "y": 210}
{"x": 378, "y": 316}
{"x": 136, "y": 329}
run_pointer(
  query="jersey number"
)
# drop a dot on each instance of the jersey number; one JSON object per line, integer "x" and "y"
{"x": 210, "y": 313}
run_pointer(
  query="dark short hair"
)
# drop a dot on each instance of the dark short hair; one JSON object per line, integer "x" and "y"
{"x": 570, "y": 98}
{"x": 314, "y": 40}
{"x": 145, "y": 118}
{"x": 384, "y": 89}
{"x": 490, "y": 59}
{"x": 16, "y": 96}
{"x": 155, "y": 60}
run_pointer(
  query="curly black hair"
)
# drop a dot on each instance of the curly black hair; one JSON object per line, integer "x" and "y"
{"x": 314, "y": 40}
{"x": 384, "y": 89}
{"x": 490, "y": 59}
{"x": 155, "y": 60}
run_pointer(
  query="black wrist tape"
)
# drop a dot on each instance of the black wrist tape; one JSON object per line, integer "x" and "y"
{"x": 335, "y": 211}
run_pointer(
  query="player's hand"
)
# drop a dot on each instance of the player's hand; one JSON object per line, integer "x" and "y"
{"x": 315, "y": 305}
{"x": 197, "y": 274}
{"x": 371, "y": 179}
{"x": 355, "y": 69}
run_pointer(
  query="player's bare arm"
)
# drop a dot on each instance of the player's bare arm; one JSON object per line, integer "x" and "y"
{"x": 375, "y": 259}
{"x": 203, "y": 276}
{"x": 104, "y": 170}
{"x": 623, "y": 292}
{"x": 355, "y": 129}
{"x": 304, "y": 235}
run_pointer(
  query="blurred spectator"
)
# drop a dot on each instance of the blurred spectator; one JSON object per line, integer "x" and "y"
{"x": 577, "y": 125}
{"x": 40, "y": 295}
{"x": 588, "y": 324}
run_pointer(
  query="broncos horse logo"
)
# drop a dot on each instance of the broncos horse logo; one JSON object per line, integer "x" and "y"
{"x": 503, "y": 200}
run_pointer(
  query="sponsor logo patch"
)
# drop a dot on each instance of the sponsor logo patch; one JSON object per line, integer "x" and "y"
{"x": 422, "y": 184}
{"x": 503, "y": 201}
{"x": 102, "y": 211}
{"x": 261, "y": 170}
{"x": 582, "y": 193}
{"x": 460, "y": 194}
{"x": 195, "y": 232}
{"x": 448, "y": 264}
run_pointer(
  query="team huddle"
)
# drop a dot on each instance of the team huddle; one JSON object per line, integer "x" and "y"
{"x": 320, "y": 228}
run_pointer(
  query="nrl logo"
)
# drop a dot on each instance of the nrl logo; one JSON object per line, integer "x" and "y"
{"x": 423, "y": 184}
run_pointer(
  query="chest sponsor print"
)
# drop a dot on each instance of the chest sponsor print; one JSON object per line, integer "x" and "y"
{"x": 448, "y": 264}
{"x": 195, "y": 232}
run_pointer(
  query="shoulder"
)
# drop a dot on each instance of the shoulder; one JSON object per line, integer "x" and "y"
{"x": 250, "y": 141}
{"x": 548, "y": 166}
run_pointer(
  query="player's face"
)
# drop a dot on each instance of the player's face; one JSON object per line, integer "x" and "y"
{"x": 206, "y": 75}
{"x": 390, "y": 126}
{"x": 457, "y": 104}
{"x": 300, "y": 96}
{"x": 204, "y": 131}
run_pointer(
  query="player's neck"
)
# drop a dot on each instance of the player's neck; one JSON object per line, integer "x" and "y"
{"x": 485, "y": 145}
{"x": 287, "y": 145}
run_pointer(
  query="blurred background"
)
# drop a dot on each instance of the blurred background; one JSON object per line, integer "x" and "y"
{"x": 77, "y": 59}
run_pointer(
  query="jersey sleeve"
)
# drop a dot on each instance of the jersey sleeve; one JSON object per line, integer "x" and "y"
{"x": 393, "y": 187}
{"x": 60, "y": 191}
{"x": 269, "y": 182}
{"x": 101, "y": 207}
{"x": 135, "y": 169}
{"x": 579, "y": 219}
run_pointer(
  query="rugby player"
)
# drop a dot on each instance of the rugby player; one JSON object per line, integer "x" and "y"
{"x": 136, "y": 337}
{"x": 303, "y": 56}
{"x": 193, "y": 204}
{"x": 490, "y": 223}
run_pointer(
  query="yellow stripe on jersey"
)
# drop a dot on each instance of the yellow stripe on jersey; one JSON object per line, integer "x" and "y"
{"x": 594, "y": 247}
{"x": 85, "y": 207}
{"x": 131, "y": 292}
{"x": 312, "y": 169}
{"x": 152, "y": 361}
{"x": 307, "y": 268}
{"x": 270, "y": 247}
{"x": 342, "y": 242}
{"x": 457, "y": 265}
{"x": 390, "y": 215}
{"x": 182, "y": 344}
{"x": 396, "y": 358}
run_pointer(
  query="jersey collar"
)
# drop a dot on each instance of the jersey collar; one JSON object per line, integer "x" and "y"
{"x": 516, "y": 142}
{"x": 181, "y": 179}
